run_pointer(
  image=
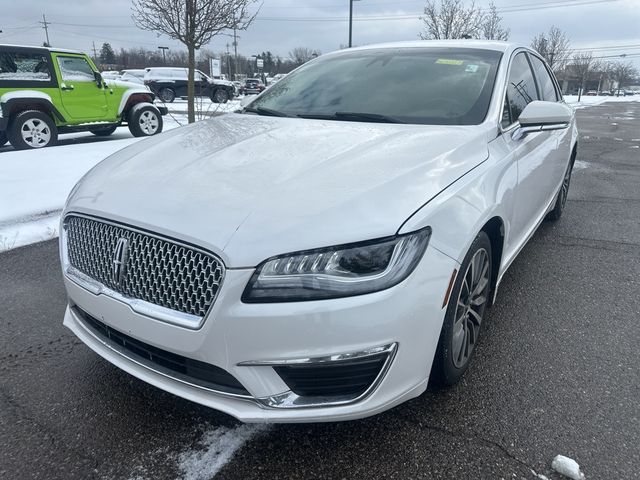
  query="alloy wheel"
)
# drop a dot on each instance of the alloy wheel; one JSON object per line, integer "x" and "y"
{"x": 470, "y": 307}
{"x": 36, "y": 133}
{"x": 149, "y": 122}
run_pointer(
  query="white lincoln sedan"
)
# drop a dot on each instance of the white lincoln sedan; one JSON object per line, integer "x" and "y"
{"x": 327, "y": 251}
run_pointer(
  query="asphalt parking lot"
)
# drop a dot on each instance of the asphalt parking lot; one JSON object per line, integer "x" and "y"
{"x": 557, "y": 370}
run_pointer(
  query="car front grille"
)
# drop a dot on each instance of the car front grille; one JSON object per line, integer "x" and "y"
{"x": 142, "y": 266}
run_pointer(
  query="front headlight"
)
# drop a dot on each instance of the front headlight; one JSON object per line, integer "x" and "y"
{"x": 341, "y": 271}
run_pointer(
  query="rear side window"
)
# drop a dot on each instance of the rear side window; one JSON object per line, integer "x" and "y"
{"x": 75, "y": 69}
{"x": 18, "y": 66}
{"x": 545, "y": 83}
{"x": 521, "y": 89}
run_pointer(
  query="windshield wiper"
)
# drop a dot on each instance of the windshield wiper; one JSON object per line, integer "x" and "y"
{"x": 354, "y": 116}
{"x": 266, "y": 111}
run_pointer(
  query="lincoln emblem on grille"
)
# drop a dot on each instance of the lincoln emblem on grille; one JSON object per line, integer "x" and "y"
{"x": 119, "y": 260}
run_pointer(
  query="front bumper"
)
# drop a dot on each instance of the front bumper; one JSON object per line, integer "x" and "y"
{"x": 250, "y": 341}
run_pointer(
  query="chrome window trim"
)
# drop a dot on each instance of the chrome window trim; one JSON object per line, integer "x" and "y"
{"x": 142, "y": 307}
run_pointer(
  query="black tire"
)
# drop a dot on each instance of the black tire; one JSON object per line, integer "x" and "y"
{"x": 555, "y": 214}
{"x": 138, "y": 120}
{"x": 105, "y": 132}
{"x": 167, "y": 95}
{"x": 3, "y": 138}
{"x": 220, "y": 96}
{"x": 448, "y": 366}
{"x": 31, "y": 121}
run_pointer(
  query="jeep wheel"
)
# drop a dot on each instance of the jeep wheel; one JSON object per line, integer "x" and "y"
{"x": 145, "y": 120}
{"x": 167, "y": 95}
{"x": 3, "y": 138}
{"x": 220, "y": 96}
{"x": 105, "y": 131}
{"x": 32, "y": 129}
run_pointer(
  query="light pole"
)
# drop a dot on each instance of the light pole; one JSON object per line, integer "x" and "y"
{"x": 351, "y": 21}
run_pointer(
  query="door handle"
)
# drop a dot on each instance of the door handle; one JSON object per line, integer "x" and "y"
{"x": 66, "y": 87}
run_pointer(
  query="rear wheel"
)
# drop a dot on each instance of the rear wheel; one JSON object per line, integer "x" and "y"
{"x": 561, "y": 199}
{"x": 465, "y": 314}
{"x": 145, "y": 120}
{"x": 167, "y": 95}
{"x": 105, "y": 132}
{"x": 32, "y": 129}
{"x": 220, "y": 96}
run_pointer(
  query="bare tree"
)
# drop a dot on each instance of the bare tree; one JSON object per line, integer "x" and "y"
{"x": 300, "y": 55}
{"x": 554, "y": 47}
{"x": 192, "y": 22}
{"x": 451, "y": 19}
{"x": 623, "y": 72}
{"x": 582, "y": 64}
{"x": 491, "y": 25}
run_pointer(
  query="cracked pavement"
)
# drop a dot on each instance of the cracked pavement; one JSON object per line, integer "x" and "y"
{"x": 557, "y": 370}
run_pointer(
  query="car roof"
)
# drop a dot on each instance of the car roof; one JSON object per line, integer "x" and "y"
{"x": 46, "y": 49}
{"x": 496, "y": 45}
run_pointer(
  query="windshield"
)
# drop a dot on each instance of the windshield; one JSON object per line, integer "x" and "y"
{"x": 449, "y": 86}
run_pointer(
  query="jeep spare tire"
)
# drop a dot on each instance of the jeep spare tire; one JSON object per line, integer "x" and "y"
{"x": 32, "y": 129}
{"x": 144, "y": 120}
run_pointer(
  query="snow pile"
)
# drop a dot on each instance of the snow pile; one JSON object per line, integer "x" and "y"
{"x": 218, "y": 445}
{"x": 567, "y": 467}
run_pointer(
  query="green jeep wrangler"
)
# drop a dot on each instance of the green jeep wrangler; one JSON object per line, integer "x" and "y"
{"x": 47, "y": 91}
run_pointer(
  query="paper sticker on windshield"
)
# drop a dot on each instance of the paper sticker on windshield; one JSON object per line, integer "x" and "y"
{"x": 448, "y": 61}
{"x": 471, "y": 68}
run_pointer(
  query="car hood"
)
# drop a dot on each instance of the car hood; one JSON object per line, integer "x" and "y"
{"x": 249, "y": 187}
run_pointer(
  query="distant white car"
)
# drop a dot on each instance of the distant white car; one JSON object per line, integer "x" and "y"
{"x": 133, "y": 75}
{"x": 170, "y": 83}
{"x": 110, "y": 75}
{"x": 323, "y": 254}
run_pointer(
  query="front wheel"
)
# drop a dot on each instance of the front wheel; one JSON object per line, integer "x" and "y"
{"x": 32, "y": 129}
{"x": 220, "y": 96}
{"x": 145, "y": 120}
{"x": 465, "y": 314}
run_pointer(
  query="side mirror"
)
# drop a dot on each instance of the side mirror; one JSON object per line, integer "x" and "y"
{"x": 99, "y": 80}
{"x": 539, "y": 115}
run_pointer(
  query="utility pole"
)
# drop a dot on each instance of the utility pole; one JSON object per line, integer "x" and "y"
{"x": 164, "y": 58}
{"x": 45, "y": 25}
{"x": 95, "y": 52}
{"x": 351, "y": 21}
{"x": 228, "y": 62}
{"x": 235, "y": 53}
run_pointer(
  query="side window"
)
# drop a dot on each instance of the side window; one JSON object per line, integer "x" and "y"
{"x": 75, "y": 69}
{"x": 521, "y": 88}
{"x": 545, "y": 83}
{"x": 32, "y": 67}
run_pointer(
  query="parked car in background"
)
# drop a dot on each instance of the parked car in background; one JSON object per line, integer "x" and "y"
{"x": 591, "y": 93}
{"x": 48, "y": 91}
{"x": 133, "y": 75}
{"x": 341, "y": 247}
{"x": 605, "y": 93}
{"x": 171, "y": 82}
{"x": 110, "y": 75}
{"x": 253, "y": 86}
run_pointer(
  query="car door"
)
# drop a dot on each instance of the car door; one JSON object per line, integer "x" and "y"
{"x": 534, "y": 153}
{"x": 82, "y": 98}
{"x": 550, "y": 92}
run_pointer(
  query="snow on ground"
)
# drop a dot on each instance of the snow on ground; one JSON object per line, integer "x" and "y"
{"x": 34, "y": 184}
{"x": 568, "y": 467}
{"x": 588, "y": 101}
{"x": 217, "y": 447}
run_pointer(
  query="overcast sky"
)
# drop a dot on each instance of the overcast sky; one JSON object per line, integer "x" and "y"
{"x": 322, "y": 24}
